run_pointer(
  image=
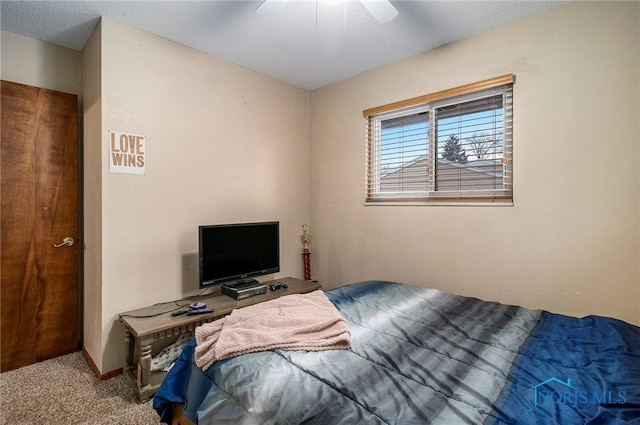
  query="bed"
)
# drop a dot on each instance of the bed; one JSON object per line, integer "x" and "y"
{"x": 423, "y": 356}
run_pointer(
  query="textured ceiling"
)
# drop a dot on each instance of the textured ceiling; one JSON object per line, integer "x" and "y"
{"x": 306, "y": 43}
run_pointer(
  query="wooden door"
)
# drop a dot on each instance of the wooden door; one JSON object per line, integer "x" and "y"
{"x": 39, "y": 207}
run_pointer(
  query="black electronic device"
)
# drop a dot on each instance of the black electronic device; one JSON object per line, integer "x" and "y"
{"x": 242, "y": 290}
{"x": 236, "y": 253}
{"x": 274, "y": 286}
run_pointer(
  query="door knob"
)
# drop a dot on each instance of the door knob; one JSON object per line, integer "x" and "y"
{"x": 68, "y": 241}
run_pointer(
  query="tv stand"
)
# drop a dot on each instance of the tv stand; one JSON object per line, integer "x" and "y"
{"x": 146, "y": 336}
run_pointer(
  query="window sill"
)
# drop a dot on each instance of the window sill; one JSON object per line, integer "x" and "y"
{"x": 442, "y": 203}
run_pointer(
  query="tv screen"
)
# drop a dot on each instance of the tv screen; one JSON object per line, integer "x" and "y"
{"x": 232, "y": 253}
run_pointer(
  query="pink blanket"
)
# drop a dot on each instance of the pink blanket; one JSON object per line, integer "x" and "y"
{"x": 293, "y": 322}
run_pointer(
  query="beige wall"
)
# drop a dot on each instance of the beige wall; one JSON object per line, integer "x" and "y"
{"x": 40, "y": 64}
{"x": 92, "y": 195}
{"x": 570, "y": 244}
{"x": 223, "y": 145}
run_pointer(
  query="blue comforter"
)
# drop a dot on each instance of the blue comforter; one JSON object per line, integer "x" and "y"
{"x": 422, "y": 356}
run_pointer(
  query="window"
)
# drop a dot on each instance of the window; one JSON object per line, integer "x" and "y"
{"x": 447, "y": 147}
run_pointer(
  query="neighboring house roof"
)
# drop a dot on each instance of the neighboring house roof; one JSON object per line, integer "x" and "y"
{"x": 484, "y": 174}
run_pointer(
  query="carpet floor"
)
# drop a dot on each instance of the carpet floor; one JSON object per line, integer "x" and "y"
{"x": 64, "y": 390}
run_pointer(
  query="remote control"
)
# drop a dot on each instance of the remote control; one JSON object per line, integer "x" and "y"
{"x": 200, "y": 311}
{"x": 179, "y": 312}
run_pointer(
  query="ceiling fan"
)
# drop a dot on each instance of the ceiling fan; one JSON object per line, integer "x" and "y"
{"x": 382, "y": 10}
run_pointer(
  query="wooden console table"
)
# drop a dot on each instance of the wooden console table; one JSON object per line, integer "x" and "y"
{"x": 144, "y": 335}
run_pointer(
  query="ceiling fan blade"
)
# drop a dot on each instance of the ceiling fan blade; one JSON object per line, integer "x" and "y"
{"x": 270, "y": 7}
{"x": 382, "y": 10}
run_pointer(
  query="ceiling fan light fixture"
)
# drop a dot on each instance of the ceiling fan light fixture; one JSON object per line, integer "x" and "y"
{"x": 269, "y": 7}
{"x": 382, "y": 10}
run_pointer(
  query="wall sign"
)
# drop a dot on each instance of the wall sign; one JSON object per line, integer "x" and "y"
{"x": 126, "y": 153}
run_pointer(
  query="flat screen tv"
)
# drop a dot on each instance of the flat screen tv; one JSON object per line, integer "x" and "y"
{"x": 236, "y": 253}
